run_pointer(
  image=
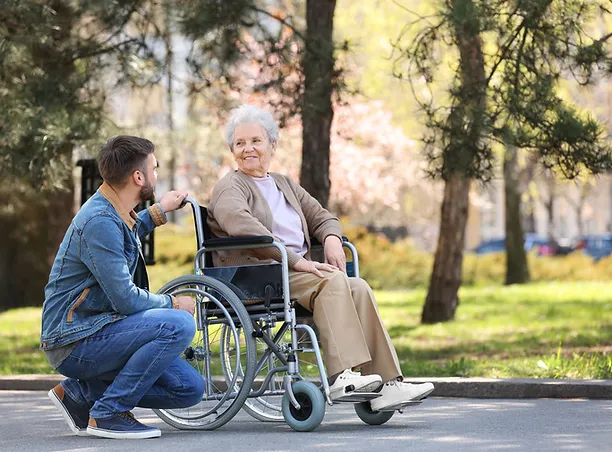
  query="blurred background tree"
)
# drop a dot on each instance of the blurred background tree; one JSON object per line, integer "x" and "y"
{"x": 505, "y": 94}
{"x": 55, "y": 55}
{"x": 269, "y": 48}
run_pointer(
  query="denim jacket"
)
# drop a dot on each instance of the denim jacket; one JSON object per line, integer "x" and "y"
{"x": 91, "y": 281}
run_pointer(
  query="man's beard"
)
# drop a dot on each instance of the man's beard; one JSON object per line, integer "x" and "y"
{"x": 147, "y": 191}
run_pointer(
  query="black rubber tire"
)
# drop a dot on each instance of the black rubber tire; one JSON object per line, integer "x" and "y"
{"x": 312, "y": 410}
{"x": 371, "y": 417}
{"x": 238, "y": 311}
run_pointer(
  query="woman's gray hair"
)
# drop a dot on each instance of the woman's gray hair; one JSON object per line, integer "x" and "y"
{"x": 246, "y": 114}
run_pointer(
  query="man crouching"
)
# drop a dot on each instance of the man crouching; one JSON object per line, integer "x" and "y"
{"x": 118, "y": 344}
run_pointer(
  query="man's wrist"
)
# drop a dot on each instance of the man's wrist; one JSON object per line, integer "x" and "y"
{"x": 158, "y": 214}
{"x": 174, "y": 302}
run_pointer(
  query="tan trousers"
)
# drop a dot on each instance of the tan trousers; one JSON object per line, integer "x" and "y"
{"x": 350, "y": 329}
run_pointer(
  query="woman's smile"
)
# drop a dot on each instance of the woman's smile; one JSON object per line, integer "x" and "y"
{"x": 252, "y": 149}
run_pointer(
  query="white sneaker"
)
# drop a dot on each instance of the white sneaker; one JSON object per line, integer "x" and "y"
{"x": 395, "y": 393}
{"x": 349, "y": 381}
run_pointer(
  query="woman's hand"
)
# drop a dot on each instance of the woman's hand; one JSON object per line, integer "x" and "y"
{"x": 304, "y": 265}
{"x": 334, "y": 253}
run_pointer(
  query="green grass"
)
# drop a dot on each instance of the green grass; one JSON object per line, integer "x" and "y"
{"x": 547, "y": 330}
{"x": 19, "y": 342}
{"x": 544, "y": 330}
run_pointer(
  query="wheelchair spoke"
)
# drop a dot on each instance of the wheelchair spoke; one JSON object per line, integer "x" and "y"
{"x": 268, "y": 406}
{"x": 209, "y": 354}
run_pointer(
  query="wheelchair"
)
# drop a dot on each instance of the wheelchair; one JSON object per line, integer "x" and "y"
{"x": 249, "y": 347}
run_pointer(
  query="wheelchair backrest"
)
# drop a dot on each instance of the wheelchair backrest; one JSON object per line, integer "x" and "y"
{"x": 204, "y": 234}
{"x": 252, "y": 283}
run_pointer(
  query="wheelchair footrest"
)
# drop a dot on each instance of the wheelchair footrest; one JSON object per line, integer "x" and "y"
{"x": 357, "y": 397}
{"x": 401, "y": 406}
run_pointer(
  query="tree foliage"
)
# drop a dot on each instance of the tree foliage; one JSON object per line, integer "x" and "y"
{"x": 53, "y": 56}
{"x": 58, "y": 57}
{"x": 243, "y": 47}
{"x": 534, "y": 45}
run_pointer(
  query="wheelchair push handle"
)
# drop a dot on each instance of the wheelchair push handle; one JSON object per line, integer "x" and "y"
{"x": 189, "y": 200}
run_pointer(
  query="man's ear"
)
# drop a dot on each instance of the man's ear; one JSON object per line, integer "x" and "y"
{"x": 138, "y": 178}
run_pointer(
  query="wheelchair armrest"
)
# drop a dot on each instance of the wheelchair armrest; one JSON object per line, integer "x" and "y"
{"x": 246, "y": 241}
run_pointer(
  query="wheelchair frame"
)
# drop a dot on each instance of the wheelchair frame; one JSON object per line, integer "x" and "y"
{"x": 288, "y": 358}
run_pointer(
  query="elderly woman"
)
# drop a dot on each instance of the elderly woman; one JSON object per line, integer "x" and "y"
{"x": 252, "y": 201}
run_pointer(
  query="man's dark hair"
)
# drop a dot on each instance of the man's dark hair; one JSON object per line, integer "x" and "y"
{"x": 121, "y": 155}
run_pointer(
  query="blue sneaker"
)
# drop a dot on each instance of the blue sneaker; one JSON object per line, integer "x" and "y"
{"x": 75, "y": 415}
{"x": 121, "y": 426}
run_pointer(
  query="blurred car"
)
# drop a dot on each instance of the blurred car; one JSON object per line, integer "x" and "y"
{"x": 532, "y": 241}
{"x": 491, "y": 246}
{"x": 554, "y": 248}
{"x": 597, "y": 246}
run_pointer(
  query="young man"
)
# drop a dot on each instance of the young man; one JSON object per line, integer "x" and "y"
{"x": 119, "y": 345}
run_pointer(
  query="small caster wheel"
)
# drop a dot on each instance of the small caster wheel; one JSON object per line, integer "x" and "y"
{"x": 371, "y": 417}
{"x": 312, "y": 407}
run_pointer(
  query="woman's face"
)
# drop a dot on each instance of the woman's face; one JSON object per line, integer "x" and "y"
{"x": 252, "y": 149}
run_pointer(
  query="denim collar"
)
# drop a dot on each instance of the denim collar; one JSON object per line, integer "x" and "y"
{"x": 109, "y": 193}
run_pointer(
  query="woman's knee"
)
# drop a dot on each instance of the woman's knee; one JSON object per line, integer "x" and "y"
{"x": 359, "y": 286}
{"x": 337, "y": 281}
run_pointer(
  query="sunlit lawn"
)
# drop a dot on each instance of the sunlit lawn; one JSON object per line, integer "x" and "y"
{"x": 553, "y": 330}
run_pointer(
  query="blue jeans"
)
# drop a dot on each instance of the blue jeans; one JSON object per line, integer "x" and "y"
{"x": 135, "y": 362}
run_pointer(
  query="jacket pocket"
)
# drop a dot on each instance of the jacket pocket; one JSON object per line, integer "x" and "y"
{"x": 80, "y": 300}
{"x": 131, "y": 254}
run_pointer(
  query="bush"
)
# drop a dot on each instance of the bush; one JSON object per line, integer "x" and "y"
{"x": 390, "y": 265}
{"x": 387, "y": 265}
{"x": 175, "y": 245}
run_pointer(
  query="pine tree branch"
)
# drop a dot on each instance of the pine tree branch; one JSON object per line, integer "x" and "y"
{"x": 505, "y": 49}
{"x": 278, "y": 19}
{"x": 104, "y": 50}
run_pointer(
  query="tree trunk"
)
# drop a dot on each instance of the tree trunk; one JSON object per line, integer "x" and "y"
{"x": 549, "y": 204}
{"x": 530, "y": 204}
{"x": 5, "y": 277}
{"x": 317, "y": 111}
{"x": 170, "y": 104}
{"x": 60, "y": 210}
{"x": 442, "y": 299}
{"x": 517, "y": 270}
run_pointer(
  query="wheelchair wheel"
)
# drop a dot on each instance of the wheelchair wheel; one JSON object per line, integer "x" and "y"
{"x": 312, "y": 407}
{"x": 268, "y": 406}
{"x": 217, "y": 308}
{"x": 371, "y": 417}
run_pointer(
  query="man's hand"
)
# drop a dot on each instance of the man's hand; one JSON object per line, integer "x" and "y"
{"x": 172, "y": 200}
{"x": 304, "y": 265}
{"x": 185, "y": 303}
{"x": 334, "y": 253}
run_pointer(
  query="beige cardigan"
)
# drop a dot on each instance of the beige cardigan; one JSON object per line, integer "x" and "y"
{"x": 238, "y": 208}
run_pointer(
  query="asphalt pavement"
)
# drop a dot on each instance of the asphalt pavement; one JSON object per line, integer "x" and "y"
{"x": 29, "y": 422}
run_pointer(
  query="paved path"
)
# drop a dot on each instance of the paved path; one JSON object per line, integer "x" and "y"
{"x": 28, "y": 422}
